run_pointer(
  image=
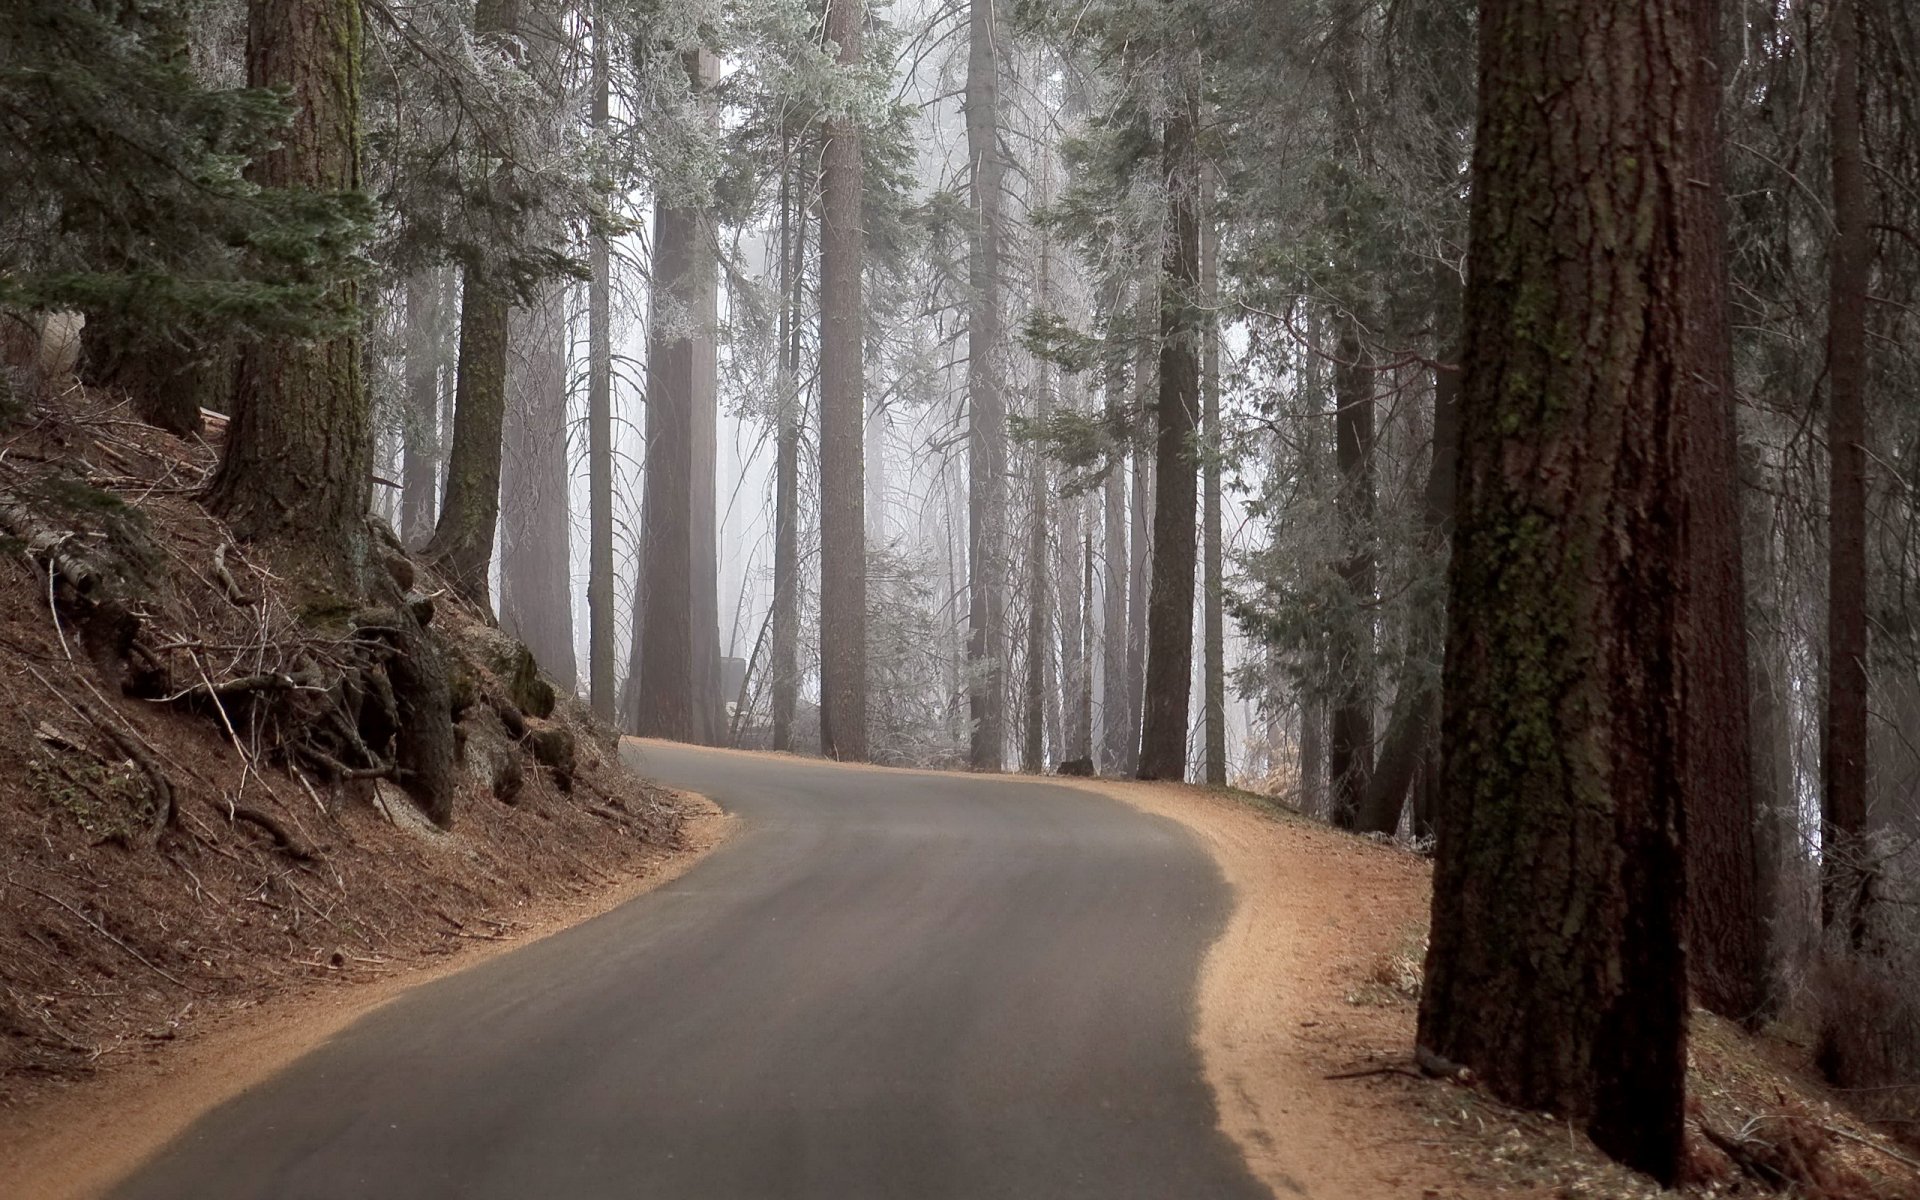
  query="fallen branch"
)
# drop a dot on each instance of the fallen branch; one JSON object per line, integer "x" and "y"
{"x": 1372, "y": 1071}
{"x": 235, "y": 593}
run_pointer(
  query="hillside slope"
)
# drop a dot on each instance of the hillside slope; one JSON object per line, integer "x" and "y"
{"x": 187, "y": 822}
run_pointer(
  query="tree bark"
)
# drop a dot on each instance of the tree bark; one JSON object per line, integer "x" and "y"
{"x": 1847, "y": 883}
{"x": 1214, "y": 624}
{"x": 1557, "y": 969}
{"x": 1350, "y": 733}
{"x": 602, "y": 692}
{"x": 1140, "y": 542}
{"x": 297, "y": 468}
{"x": 420, "y": 444}
{"x": 1039, "y": 599}
{"x": 986, "y": 401}
{"x": 536, "y": 574}
{"x": 1115, "y": 727}
{"x": 678, "y": 693}
{"x": 843, "y": 551}
{"x": 1169, "y": 670}
{"x": 786, "y": 508}
{"x": 462, "y": 543}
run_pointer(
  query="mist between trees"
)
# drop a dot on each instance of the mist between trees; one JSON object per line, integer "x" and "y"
{"x": 918, "y": 382}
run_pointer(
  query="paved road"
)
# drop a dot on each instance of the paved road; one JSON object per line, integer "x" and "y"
{"x": 887, "y": 986}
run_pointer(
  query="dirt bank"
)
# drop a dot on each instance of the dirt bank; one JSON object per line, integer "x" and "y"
{"x": 80, "y": 1140}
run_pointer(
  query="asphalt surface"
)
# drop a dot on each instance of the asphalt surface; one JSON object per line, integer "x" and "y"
{"x": 886, "y": 985}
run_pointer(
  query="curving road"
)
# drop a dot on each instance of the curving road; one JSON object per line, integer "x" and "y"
{"x": 888, "y": 985}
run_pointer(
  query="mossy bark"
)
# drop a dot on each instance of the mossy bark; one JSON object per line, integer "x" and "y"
{"x": 298, "y": 459}
{"x": 1595, "y": 364}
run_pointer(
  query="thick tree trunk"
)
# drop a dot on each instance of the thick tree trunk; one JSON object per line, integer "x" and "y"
{"x": 1847, "y": 886}
{"x": 1350, "y": 733}
{"x": 600, "y": 603}
{"x": 1169, "y": 678}
{"x": 843, "y": 550}
{"x": 536, "y": 596}
{"x": 297, "y": 468}
{"x": 786, "y": 505}
{"x": 1556, "y": 969}
{"x": 678, "y": 696}
{"x": 986, "y": 401}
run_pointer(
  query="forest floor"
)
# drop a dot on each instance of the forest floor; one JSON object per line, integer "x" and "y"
{"x": 183, "y": 908}
{"x": 1306, "y": 1027}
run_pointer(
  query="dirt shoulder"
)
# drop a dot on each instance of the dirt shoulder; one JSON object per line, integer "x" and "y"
{"x": 1307, "y": 1007}
{"x": 1309, "y": 979}
{"x": 80, "y": 1140}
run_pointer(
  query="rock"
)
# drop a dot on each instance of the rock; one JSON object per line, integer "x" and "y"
{"x": 554, "y": 747}
{"x": 520, "y": 675}
{"x": 1082, "y": 767}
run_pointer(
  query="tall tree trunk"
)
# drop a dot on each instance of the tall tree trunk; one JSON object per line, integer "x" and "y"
{"x": 786, "y": 506}
{"x": 1039, "y": 599}
{"x": 1413, "y": 728}
{"x": 1847, "y": 885}
{"x": 1557, "y": 969}
{"x": 1350, "y": 734}
{"x": 1076, "y": 595}
{"x": 1214, "y": 686}
{"x": 1140, "y": 544}
{"x": 602, "y": 690}
{"x": 678, "y": 693}
{"x": 297, "y": 468}
{"x": 1726, "y": 930}
{"x": 1115, "y": 726}
{"x": 843, "y": 550}
{"x": 462, "y": 544}
{"x": 420, "y": 446}
{"x": 1169, "y": 677}
{"x": 536, "y": 594}
{"x": 986, "y": 400}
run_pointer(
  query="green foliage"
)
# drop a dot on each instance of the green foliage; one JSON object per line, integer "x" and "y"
{"x": 124, "y": 190}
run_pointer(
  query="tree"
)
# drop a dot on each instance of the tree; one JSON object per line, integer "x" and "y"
{"x": 462, "y": 543}
{"x": 420, "y": 452}
{"x": 1350, "y": 724}
{"x": 536, "y": 576}
{"x": 600, "y": 614}
{"x": 297, "y": 467}
{"x": 1214, "y": 683}
{"x": 843, "y": 551}
{"x": 678, "y": 627}
{"x": 785, "y": 616}
{"x": 1847, "y": 883}
{"x": 1169, "y": 668}
{"x": 986, "y": 399}
{"x": 1556, "y": 969}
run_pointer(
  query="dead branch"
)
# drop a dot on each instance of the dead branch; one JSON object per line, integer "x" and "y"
{"x": 1372, "y": 1071}
{"x": 235, "y": 593}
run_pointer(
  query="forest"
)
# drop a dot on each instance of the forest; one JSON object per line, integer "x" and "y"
{"x": 1489, "y": 426}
